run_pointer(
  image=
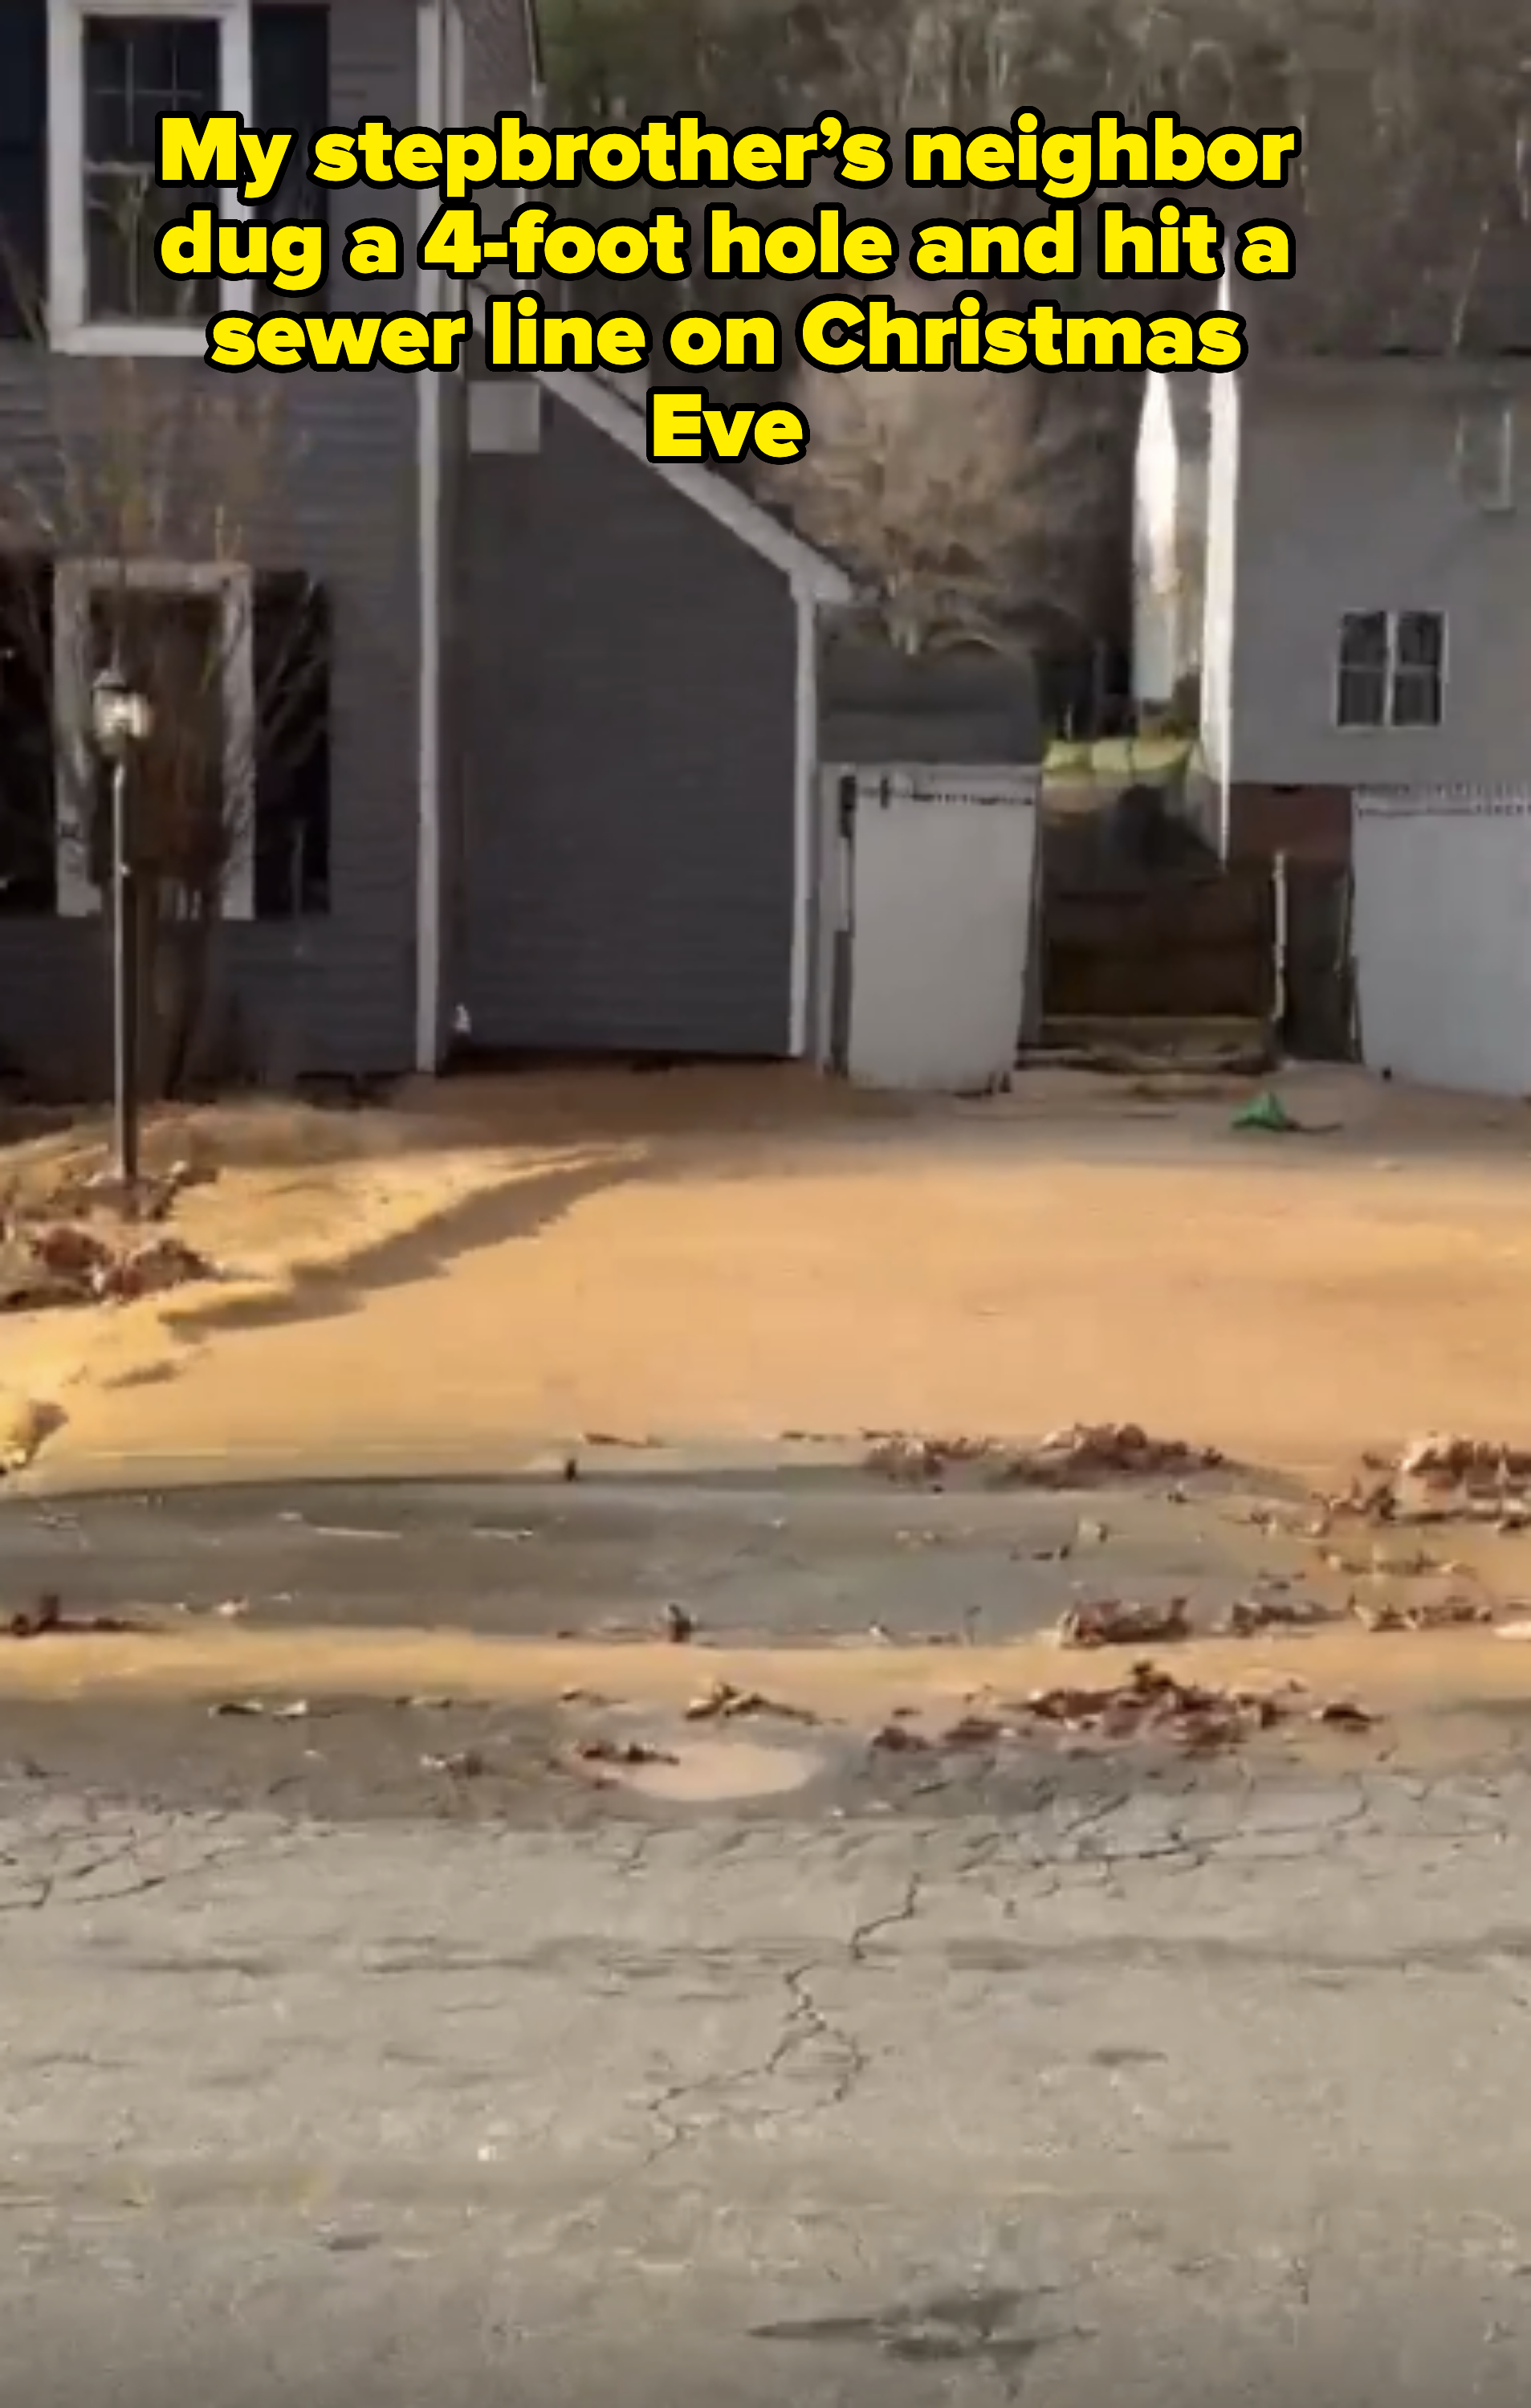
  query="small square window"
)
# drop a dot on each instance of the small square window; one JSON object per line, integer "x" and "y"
{"x": 1392, "y": 668}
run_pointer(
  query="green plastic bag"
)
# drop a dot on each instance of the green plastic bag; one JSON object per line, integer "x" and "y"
{"x": 1266, "y": 1111}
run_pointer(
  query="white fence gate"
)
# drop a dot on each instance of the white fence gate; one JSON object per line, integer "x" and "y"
{"x": 943, "y": 871}
{"x": 1442, "y": 936}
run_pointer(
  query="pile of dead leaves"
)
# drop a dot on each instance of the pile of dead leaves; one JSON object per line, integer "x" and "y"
{"x": 1124, "y": 1622}
{"x": 1094, "y": 1451}
{"x": 1131, "y": 1622}
{"x": 1150, "y": 1704}
{"x": 1440, "y": 1478}
{"x": 1083, "y": 1453}
{"x": 64, "y": 1263}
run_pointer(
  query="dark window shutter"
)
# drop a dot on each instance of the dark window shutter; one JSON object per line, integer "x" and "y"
{"x": 291, "y": 67}
{"x": 293, "y": 654}
{"x": 24, "y": 165}
{"x": 291, "y": 73}
{"x": 28, "y": 845}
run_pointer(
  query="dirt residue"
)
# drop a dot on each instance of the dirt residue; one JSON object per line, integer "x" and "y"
{"x": 714, "y": 1257}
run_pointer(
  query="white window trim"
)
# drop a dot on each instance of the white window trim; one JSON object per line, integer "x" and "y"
{"x": 75, "y": 583}
{"x": 69, "y": 326}
{"x": 1387, "y": 725}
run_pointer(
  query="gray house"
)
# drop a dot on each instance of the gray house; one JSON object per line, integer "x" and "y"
{"x": 1367, "y": 532}
{"x": 549, "y": 769}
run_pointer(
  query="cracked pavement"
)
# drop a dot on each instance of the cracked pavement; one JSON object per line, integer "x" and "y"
{"x": 324, "y": 2078}
{"x": 1191, "y": 2091}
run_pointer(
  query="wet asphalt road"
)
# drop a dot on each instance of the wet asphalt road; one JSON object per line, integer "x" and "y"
{"x": 802, "y": 1561}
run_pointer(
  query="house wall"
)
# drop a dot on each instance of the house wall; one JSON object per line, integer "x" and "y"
{"x": 1348, "y": 500}
{"x": 628, "y": 760}
{"x": 333, "y": 992}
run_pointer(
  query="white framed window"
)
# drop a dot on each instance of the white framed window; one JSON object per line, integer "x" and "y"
{"x": 115, "y": 66}
{"x": 184, "y": 632}
{"x": 1484, "y": 452}
{"x": 1392, "y": 669}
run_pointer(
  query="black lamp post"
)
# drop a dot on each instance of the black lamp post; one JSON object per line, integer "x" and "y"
{"x": 122, "y": 719}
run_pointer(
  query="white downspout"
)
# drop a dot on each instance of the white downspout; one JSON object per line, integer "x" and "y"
{"x": 431, "y": 80}
{"x": 804, "y": 784}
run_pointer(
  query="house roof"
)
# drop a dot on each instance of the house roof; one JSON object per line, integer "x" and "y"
{"x": 761, "y": 529}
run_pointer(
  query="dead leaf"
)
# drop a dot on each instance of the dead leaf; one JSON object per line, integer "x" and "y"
{"x": 1343, "y": 1714}
{"x": 467, "y": 1764}
{"x": 722, "y": 1703}
{"x": 973, "y": 1730}
{"x": 1122, "y": 1622}
{"x": 32, "y": 1621}
{"x": 895, "y": 1740}
{"x": 616, "y": 1750}
{"x": 1249, "y": 1615}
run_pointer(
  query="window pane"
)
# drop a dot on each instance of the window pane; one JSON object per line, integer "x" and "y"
{"x": 1416, "y": 698}
{"x": 136, "y": 66}
{"x": 136, "y": 69}
{"x": 124, "y": 214}
{"x": 1421, "y": 640}
{"x": 1363, "y": 697}
{"x": 1363, "y": 639}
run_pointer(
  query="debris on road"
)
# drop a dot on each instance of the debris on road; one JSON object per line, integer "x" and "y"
{"x": 897, "y": 1739}
{"x": 1150, "y": 1704}
{"x": 1443, "y": 1478}
{"x": 1343, "y": 1713}
{"x": 48, "y": 1619}
{"x": 63, "y": 1263}
{"x": 295, "y": 1709}
{"x": 1124, "y": 1622}
{"x": 1452, "y": 1613}
{"x": 622, "y": 1750}
{"x": 1093, "y": 1451}
{"x": 1070, "y": 1458}
{"x": 1247, "y": 1615}
{"x": 722, "y": 1703}
{"x": 466, "y": 1764}
{"x": 679, "y": 1626}
{"x": 32, "y": 1621}
{"x": 976, "y": 1730}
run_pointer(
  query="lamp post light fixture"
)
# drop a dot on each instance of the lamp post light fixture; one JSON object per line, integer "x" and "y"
{"x": 122, "y": 721}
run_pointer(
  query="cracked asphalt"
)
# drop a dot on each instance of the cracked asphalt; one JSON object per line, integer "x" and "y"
{"x": 1075, "y": 2081}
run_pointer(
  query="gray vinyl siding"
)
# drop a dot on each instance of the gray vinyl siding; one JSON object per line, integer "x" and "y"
{"x": 629, "y": 675}
{"x": 1348, "y": 500}
{"x": 333, "y": 993}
